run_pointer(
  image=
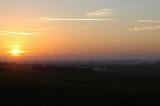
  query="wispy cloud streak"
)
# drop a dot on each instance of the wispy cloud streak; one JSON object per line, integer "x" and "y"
{"x": 101, "y": 12}
{"x": 149, "y": 21}
{"x": 15, "y": 33}
{"x": 73, "y": 19}
{"x": 145, "y": 28}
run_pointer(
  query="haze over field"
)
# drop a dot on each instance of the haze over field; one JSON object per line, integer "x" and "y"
{"x": 80, "y": 28}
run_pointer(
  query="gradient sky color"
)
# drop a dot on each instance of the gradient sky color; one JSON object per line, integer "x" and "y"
{"x": 80, "y": 28}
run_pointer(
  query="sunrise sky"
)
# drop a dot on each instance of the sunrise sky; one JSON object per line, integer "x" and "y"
{"x": 85, "y": 28}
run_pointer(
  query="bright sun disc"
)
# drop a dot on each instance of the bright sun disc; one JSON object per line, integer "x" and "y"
{"x": 16, "y": 52}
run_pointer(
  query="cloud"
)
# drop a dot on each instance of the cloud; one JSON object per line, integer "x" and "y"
{"x": 45, "y": 19}
{"x": 145, "y": 28}
{"x": 101, "y": 12}
{"x": 15, "y": 33}
{"x": 149, "y": 21}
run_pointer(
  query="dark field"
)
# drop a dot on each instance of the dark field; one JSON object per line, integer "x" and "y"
{"x": 80, "y": 85}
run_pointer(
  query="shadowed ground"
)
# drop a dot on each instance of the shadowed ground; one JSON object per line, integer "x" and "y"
{"x": 49, "y": 85}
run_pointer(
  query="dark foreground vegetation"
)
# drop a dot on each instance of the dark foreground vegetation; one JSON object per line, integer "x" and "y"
{"x": 80, "y": 85}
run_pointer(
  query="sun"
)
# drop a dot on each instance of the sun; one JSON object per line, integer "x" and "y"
{"x": 16, "y": 52}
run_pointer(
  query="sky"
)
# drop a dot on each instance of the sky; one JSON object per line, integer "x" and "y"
{"x": 80, "y": 28}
